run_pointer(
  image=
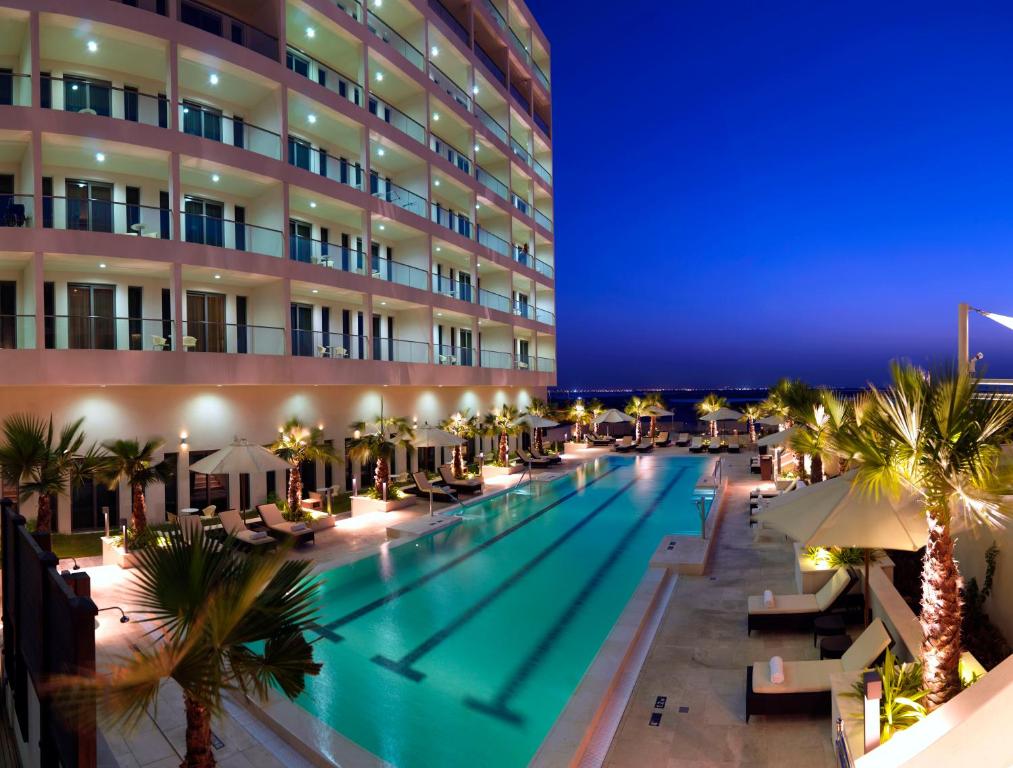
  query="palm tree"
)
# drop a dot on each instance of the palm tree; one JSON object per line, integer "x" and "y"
{"x": 594, "y": 407}
{"x": 37, "y": 461}
{"x": 380, "y": 444}
{"x": 654, "y": 400}
{"x": 580, "y": 416}
{"x": 224, "y": 624}
{"x": 710, "y": 404}
{"x": 637, "y": 407}
{"x": 939, "y": 438}
{"x": 130, "y": 462}
{"x": 750, "y": 413}
{"x": 296, "y": 444}
{"x": 499, "y": 422}
{"x": 465, "y": 426}
{"x": 542, "y": 409}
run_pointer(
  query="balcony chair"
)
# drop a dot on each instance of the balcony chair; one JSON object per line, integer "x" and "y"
{"x": 190, "y": 343}
{"x": 159, "y": 343}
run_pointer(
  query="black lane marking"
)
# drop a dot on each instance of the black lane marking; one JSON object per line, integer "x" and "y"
{"x": 499, "y": 708}
{"x": 411, "y": 586}
{"x": 403, "y": 665}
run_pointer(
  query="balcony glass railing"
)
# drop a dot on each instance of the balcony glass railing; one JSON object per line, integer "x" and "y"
{"x": 197, "y": 120}
{"x": 15, "y": 89}
{"x": 387, "y": 33}
{"x": 311, "y": 251}
{"x": 519, "y": 46}
{"x": 448, "y": 86}
{"x": 544, "y": 268}
{"x": 520, "y": 98}
{"x": 491, "y": 124}
{"x": 540, "y": 75}
{"x": 16, "y": 210}
{"x": 237, "y": 235}
{"x": 544, "y": 316}
{"x": 520, "y": 151}
{"x": 540, "y": 122}
{"x": 524, "y": 362}
{"x": 542, "y": 220}
{"x": 303, "y": 64}
{"x": 152, "y": 6}
{"x": 453, "y": 156}
{"x": 402, "y": 274}
{"x": 398, "y": 119}
{"x": 491, "y": 183}
{"x": 542, "y": 172}
{"x": 17, "y": 332}
{"x": 494, "y": 69}
{"x": 455, "y": 222}
{"x": 454, "y": 289}
{"x": 321, "y": 163}
{"x": 91, "y": 215}
{"x": 400, "y": 350}
{"x": 545, "y": 365}
{"x": 232, "y": 338}
{"x": 491, "y": 358}
{"x": 528, "y": 260}
{"x": 520, "y": 205}
{"x": 328, "y": 345}
{"x": 388, "y": 191}
{"x": 450, "y": 355}
{"x": 102, "y": 332}
{"x": 222, "y": 25}
{"x": 493, "y": 242}
{"x": 497, "y": 17}
{"x": 95, "y": 97}
{"x": 450, "y": 20}
{"x": 351, "y": 7}
{"x": 493, "y": 300}
{"x": 525, "y": 310}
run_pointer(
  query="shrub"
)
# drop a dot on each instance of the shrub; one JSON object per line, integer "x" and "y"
{"x": 902, "y": 689}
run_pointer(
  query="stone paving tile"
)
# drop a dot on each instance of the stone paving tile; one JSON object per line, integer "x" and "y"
{"x": 699, "y": 658}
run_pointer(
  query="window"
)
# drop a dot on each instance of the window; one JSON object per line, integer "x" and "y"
{"x": 203, "y": 121}
{"x": 204, "y": 221}
{"x": 134, "y": 315}
{"x": 167, "y": 317}
{"x": 300, "y": 241}
{"x": 89, "y": 205}
{"x": 130, "y": 105}
{"x": 298, "y": 64}
{"x": 242, "y": 345}
{"x": 171, "y": 496}
{"x": 8, "y": 315}
{"x": 205, "y": 320}
{"x": 207, "y": 489}
{"x": 302, "y": 330}
{"x": 299, "y": 153}
{"x": 133, "y": 208}
{"x": 91, "y": 322}
{"x": 49, "y": 307}
{"x": 82, "y": 94}
{"x": 6, "y": 86}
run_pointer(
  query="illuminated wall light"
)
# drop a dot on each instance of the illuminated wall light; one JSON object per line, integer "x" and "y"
{"x": 314, "y": 290}
{"x": 183, "y": 437}
{"x": 102, "y": 266}
{"x": 213, "y": 79}
{"x": 92, "y": 46}
{"x": 218, "y": 277}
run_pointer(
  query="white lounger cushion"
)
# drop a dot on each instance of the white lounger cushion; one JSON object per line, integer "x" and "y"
{"x": 799, "y": 676}
{"x": 832, "y": 589}
{"x": 866, "y": 649}
{"x": 784, "y": 604}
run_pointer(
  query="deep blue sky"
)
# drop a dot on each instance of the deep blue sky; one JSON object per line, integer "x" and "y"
{"x": 750, "y": 190}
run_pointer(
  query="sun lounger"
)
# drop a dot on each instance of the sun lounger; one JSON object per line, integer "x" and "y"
{"x": 804, "y": 686}
{"x": 625, "y": 445}
{"x": 683, "y": 440}
{"x": 280, "y": 528}
{"x": 600, "y": 439}
{"x": 696, "y": 445}
{"x": 472, "y": 485}
{"x": 796, "y": 612}
{"x": 424, "y": 487}
{"x": 551, "y": 458}
{"x": 646, "y": 445}
{"x": 715, "y": 445}
{"x": 527, "y": 458}
{"x": 190, "y": 526}
{"x": 754, "y": 464}
{"x": 734, "y": 446}
{"x": 663, "y": 439}
{"x": 233, "y": 525}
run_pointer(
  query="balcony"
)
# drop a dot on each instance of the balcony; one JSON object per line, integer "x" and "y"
{"x": 92, "y": 215}
{"x": 493, "y": 242}
{"x": 328, "y": 345}
{"x": 17, "y": 332}
{"x": 490, "y": 358}
{"x": 316, "y": 161}
{"x": 494, "y": 301}
{"x": 448, "y": 86}
{"x": 491, "y": 183}
{"x": 543, "y": 172}
{"x": 311, "y": 251}
{"x": 202, "y": 229}
{"x": 520, "y": 205}
{"x": 497, "y": 17}
{"x": 152, "y": 6}
{"x": 15, "y": 90}
{"x": 316, "y": 71}
{"x": 528, "y": 260}
{"x": 490, "y": 64}
{"x": 520, "y": 98}
{"x": 520, "y": 151}
{"x": 388, "y": 191}
{"x": 453, "y": 156}
{"x": 223, "y": 25}
{"x": 542, "y": 220}
{"x": 402, "y": 274}
{"x": 94, "y": 97}
{"x": 398, "y": 119}
{"x": 387, "y": 33}
{"x": 455, "y": 222}
{"x": 450, "y": 20}
{"x": 104, "y": 332}
{"x": 16, "y": 210}
{"x": 545, "y": 365}
{"x": 453, "y": 289}
{"x": 491, "y": 124}
{"x": 232, "y": 338}
{"x": 451, "y": 355}
{"x": 401, "y": 350}
{"x": 211, "y": 124}
{"x": 541, "y": 77}
{"x": 545, "y": 316}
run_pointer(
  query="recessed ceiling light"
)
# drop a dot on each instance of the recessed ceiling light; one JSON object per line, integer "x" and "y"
{"x": 436, "y": 115}
{"x": 218, "y": 277}
{"x": 102, "y": 266}
{"x": 474, "y": 89}
{"x": 377, "y": 3}
{"x": 313, "y": 204}
{"x": 311, "y": 118}
{"x": 477, "y": 206}
{"x": 74, "y": 88}
{"x": 439, "y": 314}
{"x": 382, "y": 227}
{"x": 100, "y": 157}
{"x": 215, "y": 178}
{"x": 436, "y": 182}
{"x": 477, "y": 147}
{"x": 213, "y": 79}
{"x": 92, "y": 46}
{"x": 438, "y": 249}
{"x": 310, "y": 32}
{"x": 383, "y": 303}
{"x": 379, "y": 76}
{"x": 434, "y": 51}
{"x": 380, "y": 151}
{"x": 314, "y": 291}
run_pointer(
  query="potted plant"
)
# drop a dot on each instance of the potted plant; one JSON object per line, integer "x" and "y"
{"x": 379, "y": 442}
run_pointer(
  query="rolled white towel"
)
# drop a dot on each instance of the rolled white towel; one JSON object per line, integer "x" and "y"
{"x": 776, "y": 670}
{"x": 768, "y": 599}
{"x": 296, "y": 527}
{"x": 254, "y": 535}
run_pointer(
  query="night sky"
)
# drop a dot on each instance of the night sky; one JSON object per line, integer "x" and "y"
{"x": 751, "y": 190}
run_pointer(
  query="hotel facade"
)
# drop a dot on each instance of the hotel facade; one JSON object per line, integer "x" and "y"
{"x": 216, "y": 216}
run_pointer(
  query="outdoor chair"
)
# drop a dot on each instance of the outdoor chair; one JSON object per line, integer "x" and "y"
{"x": 646, "y": 445}
{"x": 600, "y": 439}
{"x": 715, "y": 445}
{"x": 464, "y": 485}
{"x": 683, "y": 440}
{"x": 527, "y": 458}
{"x": 796, "y": 612}
{"x": 625, "y": 445}
{"x": 734, "y": 444}
{"x": 663, "y": 439}
{"x": 696, "y": 445}
{"x": 551, "y": 458}
{"x": 423, "y": 487}
{"x": 280, "y": 528}
{"x": 234, "y": 526}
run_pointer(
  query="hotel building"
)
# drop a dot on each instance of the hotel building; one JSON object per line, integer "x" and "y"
{"x": 218, "y": 215}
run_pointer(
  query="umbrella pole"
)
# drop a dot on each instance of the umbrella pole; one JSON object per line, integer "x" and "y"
{"x": 865, "y": 608}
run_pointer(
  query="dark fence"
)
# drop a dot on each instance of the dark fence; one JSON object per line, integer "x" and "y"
{"x": 48, "y": 630}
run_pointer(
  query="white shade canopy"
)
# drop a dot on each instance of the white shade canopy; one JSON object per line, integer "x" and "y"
{"x": 534, "y": 421}
{"x": 657, "y": 410}
{"x": 722, "y": 414}
{"x": 612, "y": 416}
{"x": 434, "y": 437}
{"x": 836, "y": 513}
{"x": 240, "y": 457}
{"x": 771, "y": 421}
{"x": 777, "y": 438}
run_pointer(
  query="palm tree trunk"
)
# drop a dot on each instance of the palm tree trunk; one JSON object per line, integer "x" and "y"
{"x": 816, "y": 468}
{"x": 538, "y": 440}
{"x": 636, "y": 430}
{"x": 504, "y": 449}
{"x": 44, "y": 516}
{"x": 138, "y": 507}
{"x": 198, "y": 736}
{"x": 294, "y": 489}
{"x": 940, "y": 616}
{"x": 458, "y": 462}
{"x": 654, "y": 428}
{"x": 752, "y": 430}
{"x": 381, "y": 476}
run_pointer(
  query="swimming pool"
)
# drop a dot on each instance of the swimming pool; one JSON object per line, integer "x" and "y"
{"x": 462, "y": 648}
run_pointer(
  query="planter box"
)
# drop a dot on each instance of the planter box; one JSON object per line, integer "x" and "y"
{"x": 570, "y": 447}
{"x": 114, "y": 555}
{"x": 362, "y": 505}
{"x": 321, "y": 522}
{"x": 810, "y": 576}
{"x": 488, "y": 470}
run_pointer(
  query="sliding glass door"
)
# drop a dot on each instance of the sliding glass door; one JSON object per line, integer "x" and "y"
{"x": 205, "y": 320}
{"x": 91, "y": 316}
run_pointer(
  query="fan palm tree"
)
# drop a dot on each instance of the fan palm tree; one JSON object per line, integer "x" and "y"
{"x": 939, "y": 438}
{"x": 580, "y": 416}
{"x": 654, "y": 400}
{"x": 130, "y": 462}
{"x": 499, "y": 422}
{"x": 296, "y": 444}
{"x": 637, "y": 407}
{"x": 224, "y": 624}
{"x": 37, "y": 461}
{"x": 380, "y": 444}
{"x": 710, "y": 404}
{"x": 541, "y": 409}
{"x": 750, "y": 413}
{"x": 594, "y": 407}
{"x": 465, "y": 426}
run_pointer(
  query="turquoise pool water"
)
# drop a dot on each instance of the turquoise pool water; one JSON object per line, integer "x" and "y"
{"x": 462, "y": 648}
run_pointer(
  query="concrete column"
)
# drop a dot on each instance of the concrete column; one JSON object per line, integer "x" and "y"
{"x": 286, "y": 303}
{"x": 38, "y": 283}
{"x": 285, "y": 243}
{"x": 173, "y": 87}
{"x": 367, "y": 319}
{"x": 175, "y": 197}
{"x": 176, "y": 289}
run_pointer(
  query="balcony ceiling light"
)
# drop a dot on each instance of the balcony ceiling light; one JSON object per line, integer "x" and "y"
{"x": 92, "y": 46}
{"x": 218, "y": 277}
{"x": 215, "y": 178}
{"x": 477, "y": 147}
{"x": 439, "y": 314}
{"x": 314, "y": 290}
{"x": 380, "y": 151}
{"x": 312, "y": 119}
{"x": 434, "y": 51}
{"x": 382, "y": 227}
{"x": 213, "y": 79}
{"x": 379, "y": 77}
{"x": 102, "y": 266}
{"x": 100, "y": 157}
{"x": 313, "y": 204}
{"x": 383, "y": 303}
{"x": 436, "y": 115}
{"x": 436, "y": 182}
{"x": 310, "y": 32}
{"x": 377, "y": 3}
{"x": 438, "y": 249}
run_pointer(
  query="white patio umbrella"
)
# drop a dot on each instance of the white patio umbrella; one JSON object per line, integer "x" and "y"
{"x": 771, "y": 421}
{"x": 836, "y": 513}
{"x": 239, "y": 457}
{"x": 535, "y": 422}
{"x": 434, "y": 437}
{"x": 612, "y": 416}
{"x": 658, "y": 412}
{"x": 779, "y": 438}
{"x": 722, "y": 414}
